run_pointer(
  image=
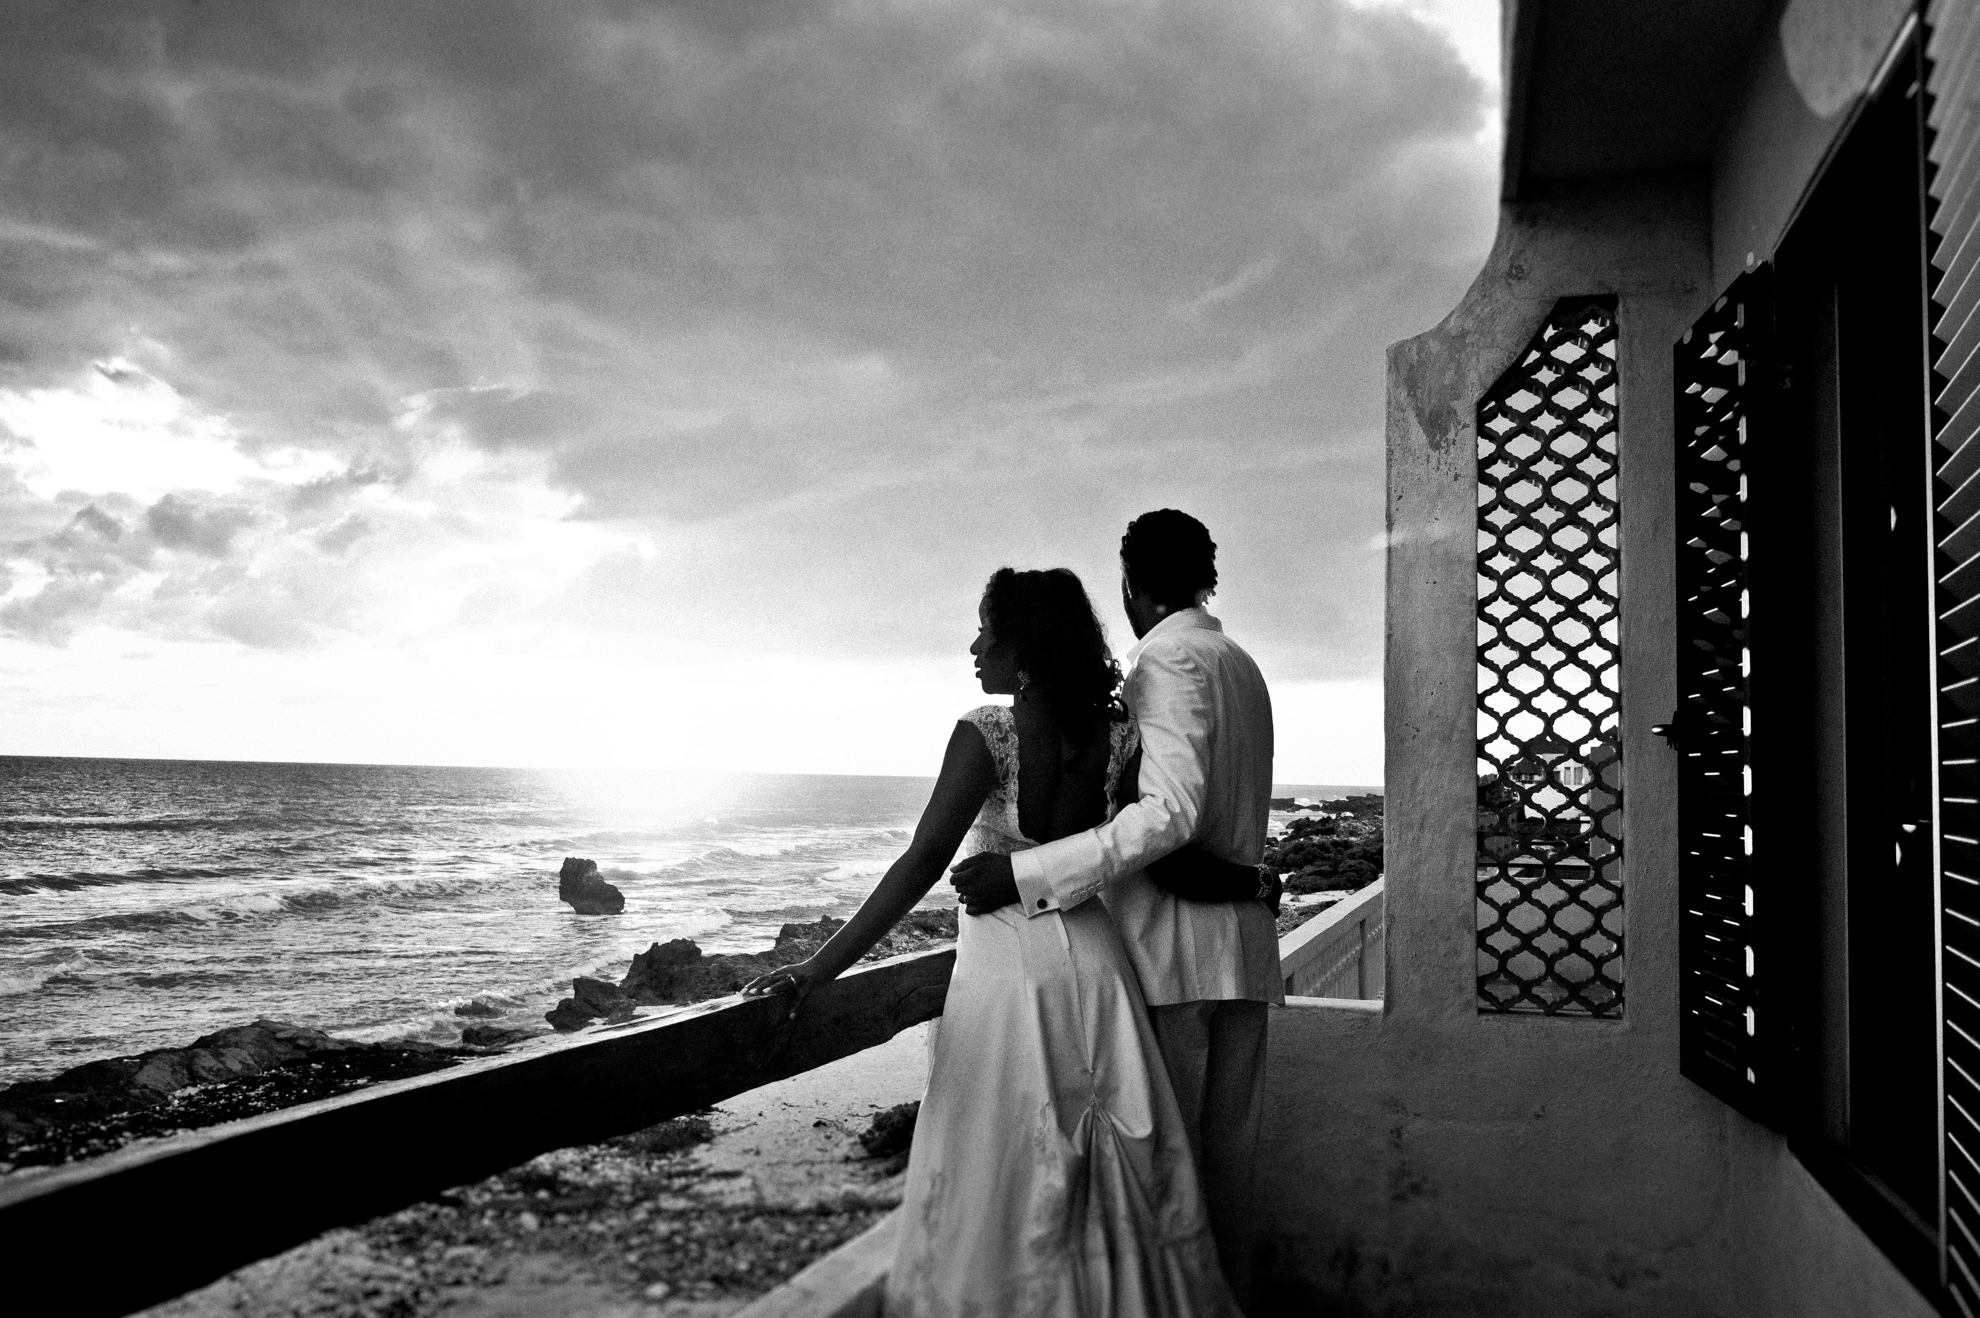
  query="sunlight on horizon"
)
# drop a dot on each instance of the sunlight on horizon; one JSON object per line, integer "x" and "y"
{"x": 715, "y": 714}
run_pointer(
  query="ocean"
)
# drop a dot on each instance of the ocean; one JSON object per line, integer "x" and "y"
{"x": 146, "y": 902}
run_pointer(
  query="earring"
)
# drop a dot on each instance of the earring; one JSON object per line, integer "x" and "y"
{"x": 1024, "y": 681}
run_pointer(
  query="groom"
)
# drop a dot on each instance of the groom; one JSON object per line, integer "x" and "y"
{"x": 1207, "y": 969}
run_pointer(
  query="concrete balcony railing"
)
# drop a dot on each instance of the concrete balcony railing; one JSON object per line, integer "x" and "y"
{"x": 1338, "y": 954}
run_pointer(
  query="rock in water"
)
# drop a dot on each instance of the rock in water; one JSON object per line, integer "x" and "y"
{"x": 677, "y": 972}
{"x": 568, "y": 1015}
{"x": 657, "y": 974}
{"x": 801, "y": 940}
{"x": 578, "y": 883}
{"x": 590, "y": 998}
{"x": 601, "y": 998}
{"x": 492, "y": 1036}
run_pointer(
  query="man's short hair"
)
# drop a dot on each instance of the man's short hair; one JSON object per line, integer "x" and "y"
{"x": 1169, "y": 556}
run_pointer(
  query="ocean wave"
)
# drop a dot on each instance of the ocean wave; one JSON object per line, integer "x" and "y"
{"x": 520, "y": 1005}
{"x": 831, "y": 852}
{"x": 78, "y": 880}
{"x": 442, "y": 1025}
{"x": 314, "y": 900}
{"x": 751, "y": 836}
{"x": 26, "y": 978}
{"x": 246, "y": 906}
{"x": 500, "y": 1001}
{"x": 91, "y": 972}
{"x": 773, "y": 917}
{"x": 119, "y": 824}
{"x": 310, "y": 899}
{"x": 868, "y": 870}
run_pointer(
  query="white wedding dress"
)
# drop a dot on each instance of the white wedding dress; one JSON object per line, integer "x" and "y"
{"x": 1050, "y": 1174}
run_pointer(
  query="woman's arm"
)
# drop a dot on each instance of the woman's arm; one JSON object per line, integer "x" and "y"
{"x": 967, "y": 777}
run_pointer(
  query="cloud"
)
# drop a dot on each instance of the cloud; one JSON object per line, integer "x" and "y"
{"x": 206, "y": 528}
{"x": 337, "y": 538}
{"x": 775, "y": 324}
{"x": 274, "y": 563}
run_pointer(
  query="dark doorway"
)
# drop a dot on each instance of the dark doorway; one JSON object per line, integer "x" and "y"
{"x": 1853, "y": 332}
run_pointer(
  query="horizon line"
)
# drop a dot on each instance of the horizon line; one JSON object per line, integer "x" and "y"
{"x": 539, "y": 768}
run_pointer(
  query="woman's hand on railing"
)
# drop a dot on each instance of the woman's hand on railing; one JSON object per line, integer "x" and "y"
{"x": 793, "y": 981}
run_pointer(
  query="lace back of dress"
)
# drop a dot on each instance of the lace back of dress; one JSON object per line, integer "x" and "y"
{"x": 996, "y": 828}
{"x": 1126, "y": 740}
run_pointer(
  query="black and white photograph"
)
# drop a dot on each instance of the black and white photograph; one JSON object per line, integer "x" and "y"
{"x": 1052, "y": 658}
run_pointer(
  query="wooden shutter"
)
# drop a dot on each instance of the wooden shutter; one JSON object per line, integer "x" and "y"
{"x": 1953, "y": 167}
{"x": 1732, "y": 1039}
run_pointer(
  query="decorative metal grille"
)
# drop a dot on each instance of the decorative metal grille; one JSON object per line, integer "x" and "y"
{"x": 1723, "y": 375}
{"x": 1550, "y": 895}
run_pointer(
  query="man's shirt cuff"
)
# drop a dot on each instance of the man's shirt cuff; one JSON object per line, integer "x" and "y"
{"x": 1034, "y": 890}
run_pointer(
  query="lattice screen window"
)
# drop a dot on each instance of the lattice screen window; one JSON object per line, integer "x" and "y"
{"x": 1550, "y": 895}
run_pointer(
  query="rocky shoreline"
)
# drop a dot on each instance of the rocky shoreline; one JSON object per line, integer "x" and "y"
{"x": 101, "y": 1106}
{"x": 677, "y": 973}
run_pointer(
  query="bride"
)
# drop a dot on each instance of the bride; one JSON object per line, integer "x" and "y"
{"x": 1050, "y": 1173}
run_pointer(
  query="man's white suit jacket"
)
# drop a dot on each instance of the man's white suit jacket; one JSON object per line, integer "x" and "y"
{"x": 1206, "y": 776}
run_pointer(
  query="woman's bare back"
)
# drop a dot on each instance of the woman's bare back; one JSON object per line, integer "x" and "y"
{"x": 1062, "y": 788}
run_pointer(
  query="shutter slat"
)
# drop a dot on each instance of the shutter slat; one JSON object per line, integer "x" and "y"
{"x": 1962, "y": 618}
{"x": 1953, "y": 153}
{"x": 1948, "y": 21}
{"x": 1955, "y": 261}
{"x": 1965, "y": 377}
{"x": 1956, "y": 337}
{"x": 1961, "y": 296}
{"x": 1963, "y": 541}
{"x": 1963, "y": 582}
{"x": 1951, "y": 51}
{"x": 1962, "y": 424}
{"x": 1962, "y": 461}
{"x": 1959, "y": 702}
{"x": 1961, "y": 504}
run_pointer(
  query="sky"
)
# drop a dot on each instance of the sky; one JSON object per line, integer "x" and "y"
{"x": 580, "y": 382}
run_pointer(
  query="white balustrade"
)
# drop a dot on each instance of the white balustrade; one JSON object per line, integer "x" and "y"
{"x": 1338, "y": 953}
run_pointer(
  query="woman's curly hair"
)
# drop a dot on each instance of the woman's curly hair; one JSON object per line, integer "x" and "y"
{"x": 1060, "y": 646}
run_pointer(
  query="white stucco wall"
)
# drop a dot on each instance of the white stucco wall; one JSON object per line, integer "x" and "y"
{"x": 1431, "y": 1160}
{"x": 1807, "y": 79}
